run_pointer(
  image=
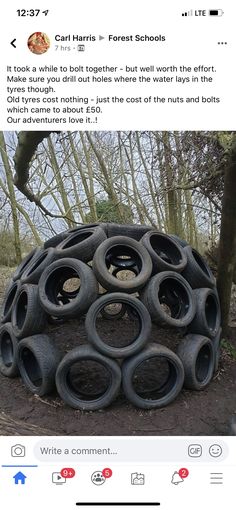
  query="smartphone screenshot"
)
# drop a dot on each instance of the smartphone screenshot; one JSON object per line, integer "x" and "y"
{"x": 117, "y": 255}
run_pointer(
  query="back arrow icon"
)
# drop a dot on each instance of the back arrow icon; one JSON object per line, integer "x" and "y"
{"x": 13, "y": 43}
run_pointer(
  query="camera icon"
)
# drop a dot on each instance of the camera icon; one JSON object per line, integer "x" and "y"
{"x": 18, "y": 450}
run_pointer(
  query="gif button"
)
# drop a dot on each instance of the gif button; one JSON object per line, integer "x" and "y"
{"x": 194, "y": 450}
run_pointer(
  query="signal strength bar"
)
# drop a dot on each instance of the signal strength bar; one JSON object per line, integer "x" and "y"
{"x": 187, "y": 13}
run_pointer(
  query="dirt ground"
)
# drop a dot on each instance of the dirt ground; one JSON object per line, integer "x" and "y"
{"x": 192, "y": 413}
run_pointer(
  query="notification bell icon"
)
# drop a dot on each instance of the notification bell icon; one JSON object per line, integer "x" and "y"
{"x": 176, "y": 478}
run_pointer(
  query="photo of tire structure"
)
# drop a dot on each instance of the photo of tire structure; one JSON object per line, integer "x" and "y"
{"x": 118, "y": 283}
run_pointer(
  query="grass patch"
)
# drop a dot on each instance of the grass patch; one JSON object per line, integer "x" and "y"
{"x": 229, "y": 348}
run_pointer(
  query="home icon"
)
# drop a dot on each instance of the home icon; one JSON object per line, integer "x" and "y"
{"x": 19, "y": 478}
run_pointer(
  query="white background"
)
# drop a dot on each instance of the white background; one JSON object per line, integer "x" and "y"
{"x": 191, "y": 41}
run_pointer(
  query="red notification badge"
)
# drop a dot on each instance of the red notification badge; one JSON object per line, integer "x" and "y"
{"x": 67, "y": 472}
{"x": 107, "y": 472}
{"x": 183, "y": 472}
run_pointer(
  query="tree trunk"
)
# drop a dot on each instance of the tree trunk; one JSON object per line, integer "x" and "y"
{"x": 13, "y": 202}
{"x": 170, "y": 181}
{"x": 60, "y": 184}
{"x": 227, "y": 247}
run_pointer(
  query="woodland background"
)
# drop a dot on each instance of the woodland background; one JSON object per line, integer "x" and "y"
{"x": 179, "y": 182}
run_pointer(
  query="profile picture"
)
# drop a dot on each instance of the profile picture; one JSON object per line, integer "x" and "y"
{"x": 38, "y": 43}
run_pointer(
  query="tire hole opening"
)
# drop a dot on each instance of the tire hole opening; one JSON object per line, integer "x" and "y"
{"x": 203, "y": 363}
{"x": 32, "y": 367}
{"x": 211, "y": 311}
{"x": 166, "y": 249}
{"x": 7, "y": 349}
{"x": 88, "y": 379}
{"x": 198, "y": 258}
{"x": 173, "y": 298}
{"x": 123, "y": 335}
{"x": 76, "y": 239}
{"x": 10, "y": 299}
{"x": 21, "y": 309}
{"x": 154, "y": 378}
{"x": 118, "y": 253}
{"x": 62, "y": 286}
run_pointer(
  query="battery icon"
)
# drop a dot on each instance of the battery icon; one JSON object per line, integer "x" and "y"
{"x": 216, "y": 12}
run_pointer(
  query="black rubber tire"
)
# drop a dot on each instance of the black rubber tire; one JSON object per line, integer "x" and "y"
{"x": 208, "y": 317}
{"x": 197, "y": 355}
{"x": 127, "y": 230}
{"x": 38, "y": 359}
{"x": 24, "y": 263}
{"x": 180, "y": 241}
{"x": 88, "y": 225}
{"x": 170, "y": 289}
{"x": 144, "y": 325}
{"x": 197, "y": 271}
{"x": 8, "y": 351}
{"x": 216, "y": 341}
{"x": 48, "y": 288}
{"x": 70, "y": 397}
{"x": 55, "y": 240}
{"x": 165, "y": 252}
{"x": 81, "y": 244}
{"x": 173, "y": 386}
{"x": 35, "y": 268}
{"x": 28, "y": 317}
{"x": 122, "y": 246}
{"x": 9, "y": 301}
